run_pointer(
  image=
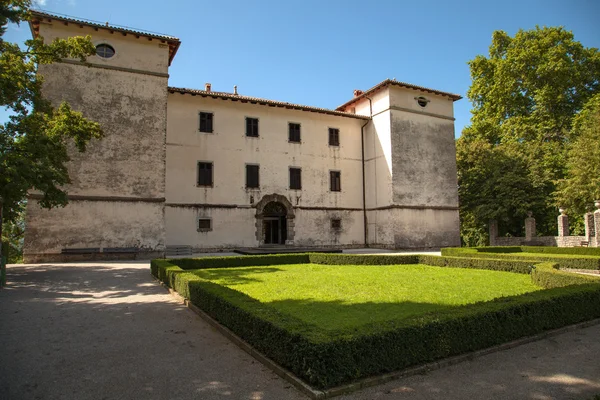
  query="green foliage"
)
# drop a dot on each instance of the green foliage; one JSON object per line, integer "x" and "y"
{"x": 565, "y": 260}
{"x": 33, "y": 142}
{"x": 362, "y": 259}
{"x": 240, "y": 261}
{"x": 326, "y": 358}
{"x": 579, "y": 251}
{"x": 516, "y": 266}
{"x": 547, "y": 275}
{"x": 526, "y": 95}
{"x": 12, "y": 238}
{"x": 581, "y": 185}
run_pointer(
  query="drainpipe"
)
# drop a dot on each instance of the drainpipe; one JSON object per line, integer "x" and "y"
{"x": 362, "y": 148}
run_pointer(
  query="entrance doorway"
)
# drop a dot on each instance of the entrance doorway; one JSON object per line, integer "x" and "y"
{"x": 274, "y": 223}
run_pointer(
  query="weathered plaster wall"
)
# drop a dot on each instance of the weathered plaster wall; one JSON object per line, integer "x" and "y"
{"x": 229, "y": 149}
{"x": 414, "y": 228}
{"x": 84, "y": 224}
{"x": 128, "y": 163}
{"x": 235, "y": 227}
{"x": 131, "y": 108}
{"x": 130, "y": 52}
{"x": 424, "y": 154}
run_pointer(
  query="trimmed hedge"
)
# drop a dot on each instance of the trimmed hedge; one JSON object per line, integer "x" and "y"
{"x": 547, "y": 275}
{"x": 572, "y": 261}
{"x": 517, "y": 266}
{"x": 328, "y": 358}
{"x": 361, "y": 259}
{"x": 581, "y": 251}
{"x": 240, "y": 261}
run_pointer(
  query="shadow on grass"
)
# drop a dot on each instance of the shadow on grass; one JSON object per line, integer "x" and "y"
{"x": 233, "y": 276}
{"x": 336, "y": 314}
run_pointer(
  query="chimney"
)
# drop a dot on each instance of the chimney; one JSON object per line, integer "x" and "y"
{"x": 207, "y": 87}
{"x": 235, "y": 90}
{"x": 358, "y": 92}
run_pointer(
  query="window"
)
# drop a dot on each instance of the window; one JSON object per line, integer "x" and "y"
{"x": 294, "y": 132}
{"x": 105, "y": 51}
{"x": 422, "y": 101}
{"x": 295, "y": 178}
{"x": 206, "y": 122}
{"x": 205, "y": 174}
{"x": 335, "y": 181}
{"x": 252, "y": 181}
{"x": 204, "y": 224}
{"x": 252, "y": 127}
{"x": 336, "y": 224}
{"x": 334, "y": 137}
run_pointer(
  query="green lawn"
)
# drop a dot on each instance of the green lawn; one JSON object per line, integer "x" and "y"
{"x": 348, "y": 296}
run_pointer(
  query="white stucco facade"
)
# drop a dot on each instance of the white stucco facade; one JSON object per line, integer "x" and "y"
{"x": 395, "y": 159}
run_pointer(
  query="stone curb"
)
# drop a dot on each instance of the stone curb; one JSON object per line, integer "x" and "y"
{"x": 371, "y": 381}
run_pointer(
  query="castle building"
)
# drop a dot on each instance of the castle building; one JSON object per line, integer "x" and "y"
{"x": 211, "y": 170}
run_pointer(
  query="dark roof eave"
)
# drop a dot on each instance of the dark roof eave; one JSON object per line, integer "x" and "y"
{"x": 171, "y": 40}
{"x": 271, "y": 103}
{"x": 387, "y": 82}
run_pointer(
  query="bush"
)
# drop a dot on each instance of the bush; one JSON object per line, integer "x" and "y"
{"x": 563, "y": 260}
{"x": 581, "y": 251}
{"x": 547, "y": 275}
{"x": 239, "y": 261}
{"x": 328, "y": 358}
{"x": 361, "y": 259}
{"x": 517, "y": 266}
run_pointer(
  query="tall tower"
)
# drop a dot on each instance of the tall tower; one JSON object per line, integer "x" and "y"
{"x": 411, "y": 186}
{"x": 117, "y": 194}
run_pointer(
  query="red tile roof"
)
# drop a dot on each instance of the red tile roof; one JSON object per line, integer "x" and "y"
{"x": 394, "y": 82}
{"x": 37, "y": 16}
{"x": 255, "y": 100}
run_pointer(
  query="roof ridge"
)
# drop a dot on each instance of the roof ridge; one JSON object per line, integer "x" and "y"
{"x": 389, "y": 81}
{"x": 233, "y": 96}
{"x": 70, "y": 18}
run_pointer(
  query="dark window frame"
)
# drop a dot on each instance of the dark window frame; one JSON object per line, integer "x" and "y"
{"x": 336, "y": 224}
{"x": 335, "y": 181}
{"x": 102, "y": 53}
{"x": 198, "y": 174}
{"x": 295, "y": 182}
{"x": 249, "y": 183}
{"x": 294, "y": 135}
{"x": 206, "y": 122}
{"x": 252, "y": 127}
{"x": 204, "y": 229}
{"x": 334, "y": 136}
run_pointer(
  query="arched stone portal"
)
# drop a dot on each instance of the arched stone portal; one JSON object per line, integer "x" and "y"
{"x": 274, "y": 220}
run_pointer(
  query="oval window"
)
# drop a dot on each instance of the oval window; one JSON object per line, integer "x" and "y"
{"x": 422, "y": 101}
{"x": 105, "y": 51}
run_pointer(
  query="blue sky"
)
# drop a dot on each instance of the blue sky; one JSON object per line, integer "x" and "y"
{"x": 317, "y": 52}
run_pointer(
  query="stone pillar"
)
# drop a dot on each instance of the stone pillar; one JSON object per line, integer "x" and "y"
{"x": 529, "y": 227}
{"x": 493, "y": 231}
{"x": 590, "y": 232}
{"x": 563, "y": 223}
{"x": 597, "y": 222}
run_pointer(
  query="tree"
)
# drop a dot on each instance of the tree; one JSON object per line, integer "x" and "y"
{"x": 582, "y": 183}
{"x": 525, "y": 96}
{"x": 34, "y": 141}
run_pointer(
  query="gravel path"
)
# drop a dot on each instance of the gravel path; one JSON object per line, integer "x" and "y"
{"x": 109, "y": 331}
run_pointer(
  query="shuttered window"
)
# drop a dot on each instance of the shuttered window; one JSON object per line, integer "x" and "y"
{"x": 206, "y": 122}
{"x": 335, "y": 181}
{"x": 252, "y": 179}
{"x": 252, "y": 127}
{"x": 205, "y": 174}
{"x": 295, "y": 178}
{"x": 294, "y": 132}
{"x": 334, "y": 137}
